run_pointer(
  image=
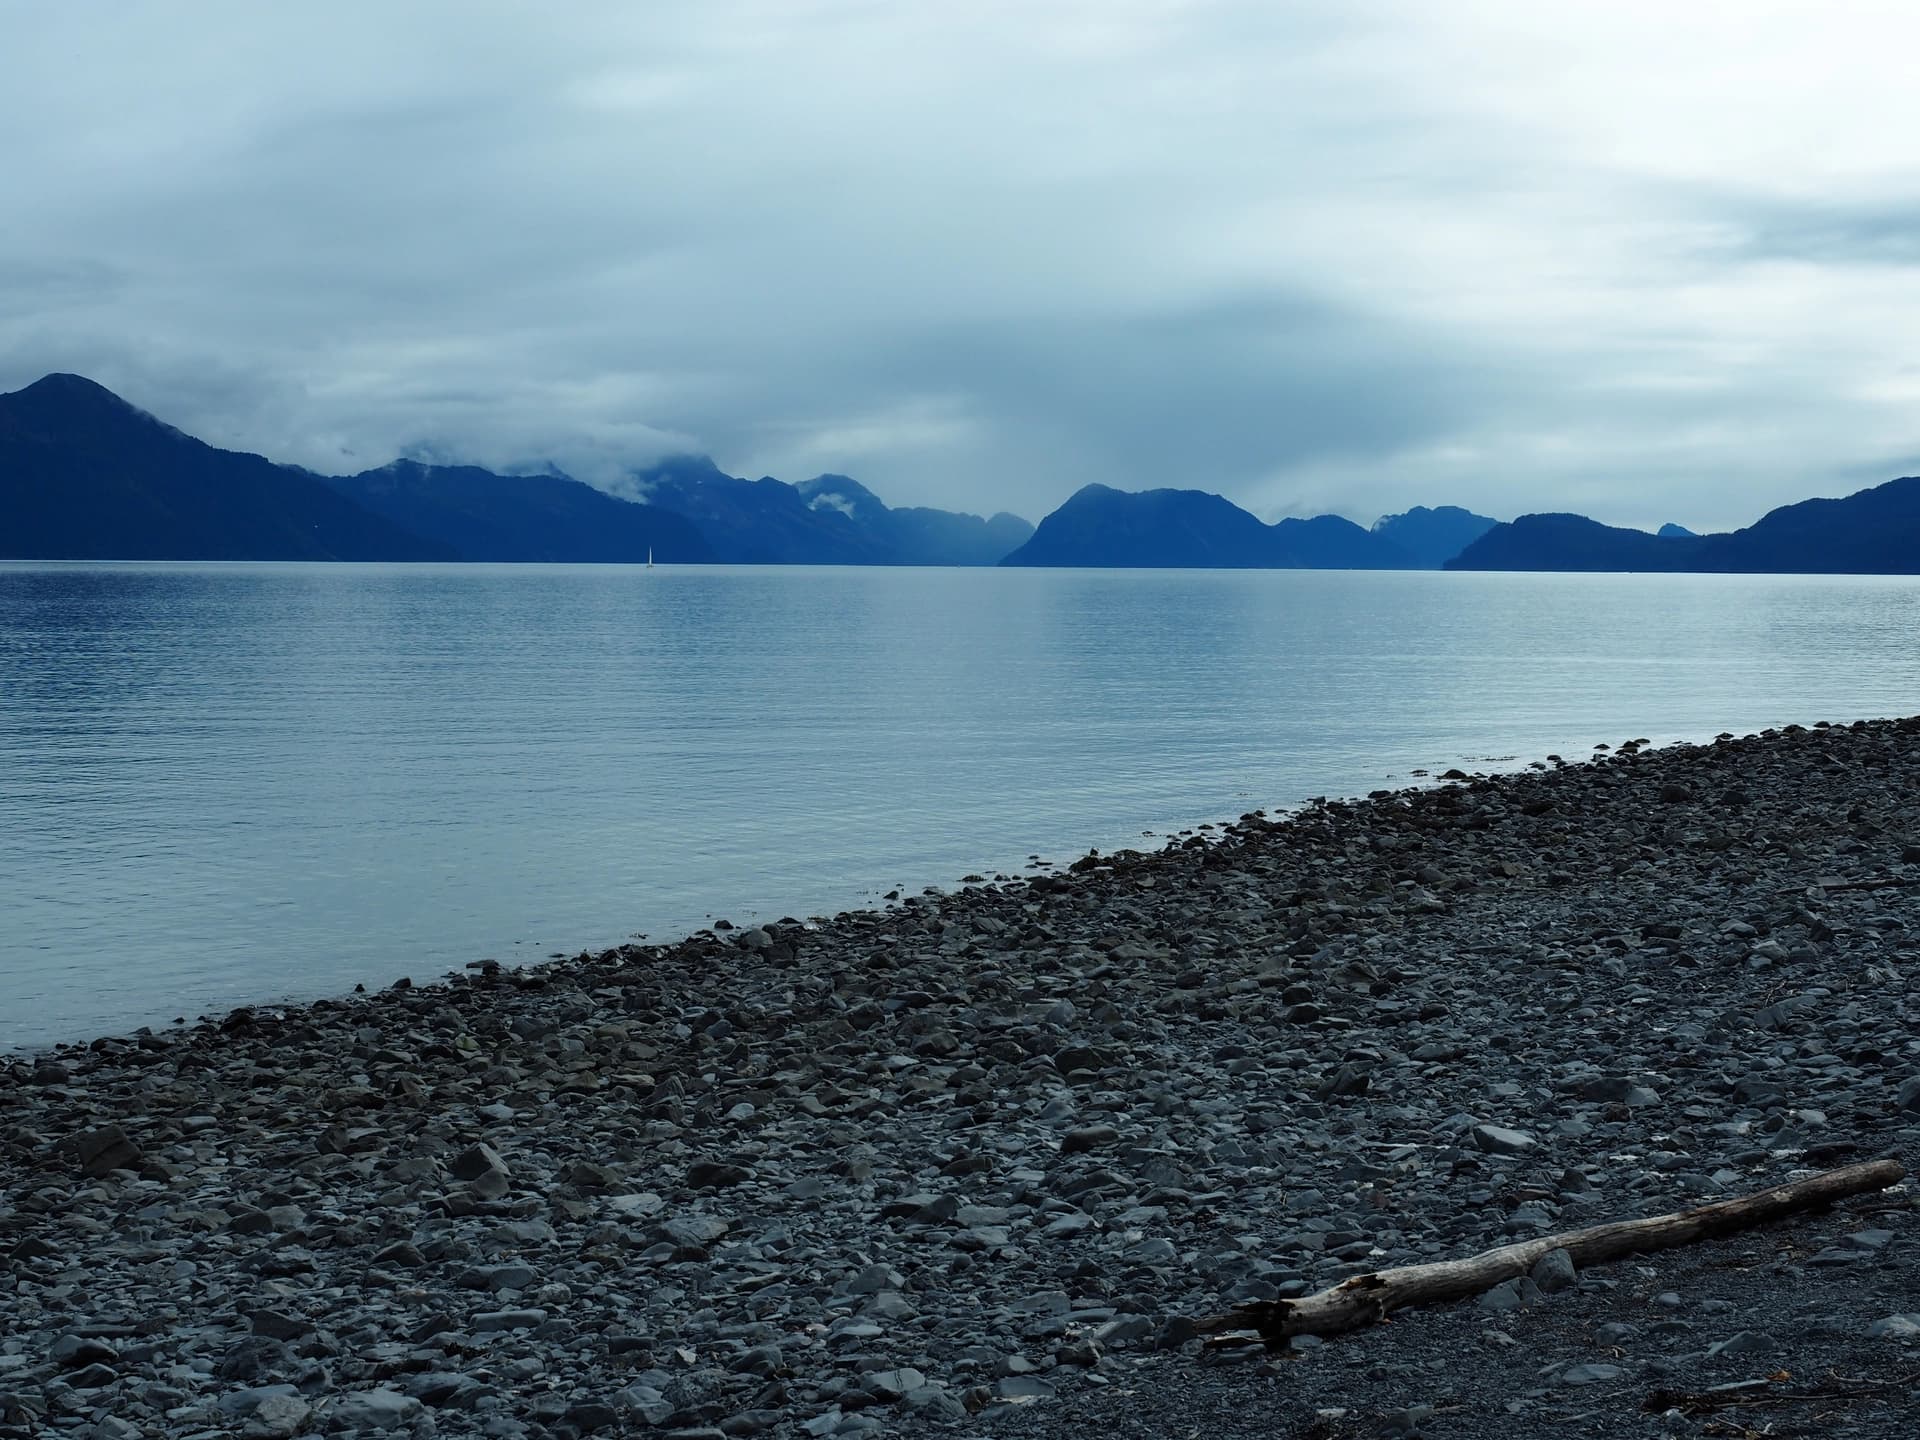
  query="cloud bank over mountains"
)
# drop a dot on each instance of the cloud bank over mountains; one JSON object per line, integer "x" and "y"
{"x": 1641, "y": 263}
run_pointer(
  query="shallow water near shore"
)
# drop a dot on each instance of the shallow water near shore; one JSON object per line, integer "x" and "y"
{"x": 223, "y": 784}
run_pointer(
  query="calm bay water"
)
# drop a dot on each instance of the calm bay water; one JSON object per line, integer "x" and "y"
{"x": 223, "y": 784}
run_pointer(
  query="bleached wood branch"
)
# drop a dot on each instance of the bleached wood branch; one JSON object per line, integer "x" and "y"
{"x": 1365, "y": 1299}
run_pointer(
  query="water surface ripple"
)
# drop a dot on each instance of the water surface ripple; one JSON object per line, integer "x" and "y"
{"x": 232, "y": 783}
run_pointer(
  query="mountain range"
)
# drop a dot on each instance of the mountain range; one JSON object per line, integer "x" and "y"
{"x": 1871, "y": 532}
{"x": 483, "y": 516}
{"x": 1874, "y": 531}
{"x": 828, "y": 520}
{"x": 1101, "y": 526}
{"x": 85, "y": 475}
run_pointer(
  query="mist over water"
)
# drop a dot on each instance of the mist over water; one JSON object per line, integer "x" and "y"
{"x": 226, "y": 784}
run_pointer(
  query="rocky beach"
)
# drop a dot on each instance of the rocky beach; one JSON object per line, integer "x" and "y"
{"x": 975, "y": 1163}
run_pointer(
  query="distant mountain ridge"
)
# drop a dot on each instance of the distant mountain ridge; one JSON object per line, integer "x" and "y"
{"x": 917, "y": 534}
{"x": 85, "y": 475}
{"x": 1433, "y": 536}
{"x": 828, "y": 520}
{"x": 1871, "y": 532}
{"x": 756, "y": 522}
{"x": 483, "y": 516}
{"x": 1101, "y": 526}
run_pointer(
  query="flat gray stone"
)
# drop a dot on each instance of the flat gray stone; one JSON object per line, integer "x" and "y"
{"x": 379, "y": 1410}
{"x": 1590, "y": 1374}
{"x": 1499, "y": 1140}
{"x": 490, "y": 1320}
{"x": 1088, "y": 1137}
{"x": 1895, "y": 1327}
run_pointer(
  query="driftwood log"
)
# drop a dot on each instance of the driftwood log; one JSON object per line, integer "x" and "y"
{"x": 1364, "y": 1299}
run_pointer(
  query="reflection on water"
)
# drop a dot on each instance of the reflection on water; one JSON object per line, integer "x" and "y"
{"x": 224, "y": 783}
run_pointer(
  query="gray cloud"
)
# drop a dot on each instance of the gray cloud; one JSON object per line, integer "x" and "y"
{"x": 1348, "y": 256}
{"x": 1831, "y": 233}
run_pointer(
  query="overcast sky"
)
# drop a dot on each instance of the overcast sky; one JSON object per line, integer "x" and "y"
{"x": 1645, "y": 260}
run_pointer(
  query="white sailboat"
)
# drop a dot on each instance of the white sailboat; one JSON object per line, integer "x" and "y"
{"x": 649, "y": 557}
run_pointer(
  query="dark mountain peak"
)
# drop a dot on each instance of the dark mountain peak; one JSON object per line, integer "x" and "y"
{"x": 845, "y": 494}
{"x": 1164, "y": 501}
{"x": 403, "y": 466}
{"x": 831, "y": 519}
{"x": 412, "y": 469}
{"x": 1433, "y": 536}
{"x": 1422, "y": 512}
{"x": 1195, "y": 529}
{"x": 918, "y": 534}
{"x": 60, "y": 382}
{"x": 1671, "y": 531}
{"x": 754, "y": 522}
{"x": 1560, "y": 541}
{"x": 680, "y": 469}
{"x": 60, "y": 399}
{"x": 85, "y": 475}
